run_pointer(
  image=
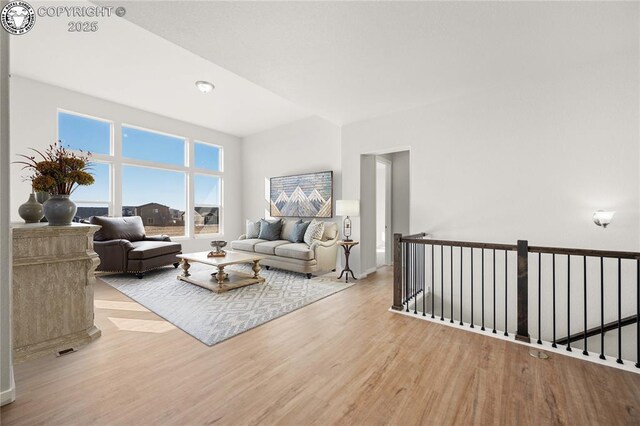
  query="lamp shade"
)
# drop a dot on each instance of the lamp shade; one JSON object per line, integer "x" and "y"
{"x": 347, "y": 207}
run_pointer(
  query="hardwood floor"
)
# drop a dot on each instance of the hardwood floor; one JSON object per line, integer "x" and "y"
{"x": 342, "y": 360}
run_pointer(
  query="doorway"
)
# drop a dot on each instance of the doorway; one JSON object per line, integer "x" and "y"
{"x": 383, "y": 211}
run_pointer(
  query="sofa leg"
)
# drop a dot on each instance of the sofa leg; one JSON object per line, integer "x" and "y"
{"x": 140, "y": 275}
{"x": 309, "y": 276}
{"x": 175, "y": 265}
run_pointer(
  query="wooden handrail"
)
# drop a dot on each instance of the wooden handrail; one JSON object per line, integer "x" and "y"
{"x": 532, "y": 249}
{"x": 585, "y": 252}
{"x": 449, "y": 243}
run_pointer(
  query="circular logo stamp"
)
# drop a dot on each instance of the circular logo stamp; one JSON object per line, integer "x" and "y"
{"x": 17, "y": 17}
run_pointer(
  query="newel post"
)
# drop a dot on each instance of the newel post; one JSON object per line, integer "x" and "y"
{"x": 523, "y": 292}
{"x": 397, "y": 272}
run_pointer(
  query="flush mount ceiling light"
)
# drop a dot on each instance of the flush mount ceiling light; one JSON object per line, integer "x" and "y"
{"x": 204, "y": 86}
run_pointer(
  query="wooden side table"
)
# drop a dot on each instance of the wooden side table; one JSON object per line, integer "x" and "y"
{"x": 347, "y": 245}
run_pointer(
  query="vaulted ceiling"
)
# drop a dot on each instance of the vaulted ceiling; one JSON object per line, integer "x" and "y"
{"x": 349, "y": 61}
{"x": 277, "y": 62}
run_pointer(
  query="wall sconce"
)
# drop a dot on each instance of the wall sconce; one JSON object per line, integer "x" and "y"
{"x": 602, "y": 218}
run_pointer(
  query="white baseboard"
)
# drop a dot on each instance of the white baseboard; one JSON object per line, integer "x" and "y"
{"x": 9, "y": 395}
{"x": 368, "y": 272}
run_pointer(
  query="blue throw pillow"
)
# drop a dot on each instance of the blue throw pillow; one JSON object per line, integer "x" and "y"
{"x": 270, "y": 230}
{"x": 298, "y": 232}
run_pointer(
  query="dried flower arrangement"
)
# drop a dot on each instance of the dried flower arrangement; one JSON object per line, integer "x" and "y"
{"x": 59, "y": 172}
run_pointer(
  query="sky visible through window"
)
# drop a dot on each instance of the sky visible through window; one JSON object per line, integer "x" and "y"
{"x": 151, "y": 146}
{"x": 142, "y": 185}
{"x": 81, "y": 133}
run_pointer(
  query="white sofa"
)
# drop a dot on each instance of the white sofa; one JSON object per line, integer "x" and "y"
{"x": 297, "y": 257}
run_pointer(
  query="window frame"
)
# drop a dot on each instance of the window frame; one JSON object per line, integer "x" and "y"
{"x": 117, "y": 162}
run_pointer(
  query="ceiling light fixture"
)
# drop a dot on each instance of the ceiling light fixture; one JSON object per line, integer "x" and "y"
{"x": 204, "y": 86}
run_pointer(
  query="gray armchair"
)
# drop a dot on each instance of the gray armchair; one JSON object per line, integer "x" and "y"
{"x": 123, "y": 246}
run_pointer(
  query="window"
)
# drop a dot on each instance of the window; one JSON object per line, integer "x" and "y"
{"x": 157, "y": 196}
{"x": 94, "y": 200}
{"x": 152, "y": 174}
{"x": 206, "y": 219}
{"x": 207, "y": 156}
{"x": 151, "y": 146}
{"x": 84, "y": 134}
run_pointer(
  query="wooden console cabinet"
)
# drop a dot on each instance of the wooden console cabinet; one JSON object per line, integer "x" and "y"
{"x": 53, "y": 278}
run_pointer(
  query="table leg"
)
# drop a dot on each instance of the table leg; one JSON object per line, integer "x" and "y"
{"x": 185, "y": 268}
{"x": 256, "y": 269}
{"x": 220, "y": 276}
{"x": 347, "y": 269}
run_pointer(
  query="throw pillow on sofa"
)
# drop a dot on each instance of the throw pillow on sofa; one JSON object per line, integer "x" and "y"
{"x": 299, "y": 230}
{"x": 270, "y": 230}
{"x": 314, "y": 231}
{"x": 252, "y": 229}
{"x": 288, "y": 225}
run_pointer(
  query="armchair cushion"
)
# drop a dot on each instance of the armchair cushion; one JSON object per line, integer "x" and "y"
{"x": 164, "y": 238}
{"x": 149, "y": 249}
{"x": 113, "y": 228}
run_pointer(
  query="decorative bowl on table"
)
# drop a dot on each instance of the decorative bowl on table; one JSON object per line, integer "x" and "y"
{"x": 217, "y": 249}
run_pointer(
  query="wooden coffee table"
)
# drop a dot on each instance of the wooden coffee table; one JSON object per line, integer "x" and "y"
{"x": 220, "y": 281}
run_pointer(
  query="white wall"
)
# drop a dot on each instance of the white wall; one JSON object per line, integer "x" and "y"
{"x": 305, "y": 146}
{"x": 34, "y": 124}
{"x": 381, "y": 204}
{"x": 7, "y": 387}
{"x": 528, "y": 162}
{"x": 400, "y": 187}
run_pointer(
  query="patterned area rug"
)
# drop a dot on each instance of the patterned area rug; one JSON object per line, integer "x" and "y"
{"x": 212, "y": 318}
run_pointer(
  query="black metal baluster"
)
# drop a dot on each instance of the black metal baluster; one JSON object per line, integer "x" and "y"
{"x": 461, "y": 323}
{"x": 471, "y": 287}
{"x": 569, "y": 302}
{"x": 539, "y": 297}
{"x": 482, "y": 328}
{"x": 441, "y": 283}
{"x": 424, "y": 291}
{"x": 619, "y": 360}
{"x": 553, "y": 268}
{"x": 405, "y": 254}
{"x": 506, "y": 312}
{"x": 451, "y": 281}
{"x": 416, "y": 283}
{"x": 494, "y": 292}
{"x": 602, "y": 309}
{"x": 584, "y": 268}
{"x": 638, "y": 313}
{"x": 433, "y": 287}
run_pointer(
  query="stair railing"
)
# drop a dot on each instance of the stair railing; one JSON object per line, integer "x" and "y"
{"x": 487, "y": 285}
